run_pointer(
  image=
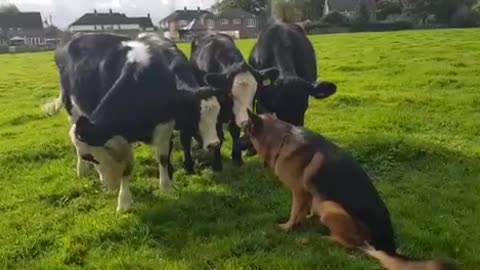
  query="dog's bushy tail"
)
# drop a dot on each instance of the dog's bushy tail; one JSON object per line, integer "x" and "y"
{"x": 399, "y": 262}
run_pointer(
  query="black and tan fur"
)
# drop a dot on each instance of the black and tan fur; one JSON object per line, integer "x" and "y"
{"x": 328, "y": 182}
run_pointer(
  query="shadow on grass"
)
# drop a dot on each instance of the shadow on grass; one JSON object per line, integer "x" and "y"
{"x": 254, "y": 202}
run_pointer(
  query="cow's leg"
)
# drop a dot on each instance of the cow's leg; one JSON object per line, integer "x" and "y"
{"x": 162, "y": 142}
{"x": 236, "y": 147}
{"x": 110, "y": 175}
{"x": 124, "y": 195}
{"x": 217, "y": 155}
{"x": 83, "y": 167}
{"x": 188, "y": 163}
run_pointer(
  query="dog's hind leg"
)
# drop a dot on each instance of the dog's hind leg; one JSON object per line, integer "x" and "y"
{"x": 343, "y": 229}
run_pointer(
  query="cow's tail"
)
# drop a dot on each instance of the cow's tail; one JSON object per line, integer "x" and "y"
{"x": 399, "y": 262}
{"x": 53, "y": 106}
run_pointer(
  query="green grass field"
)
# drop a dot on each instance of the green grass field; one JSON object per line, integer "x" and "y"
{"x": 408, "y": 107}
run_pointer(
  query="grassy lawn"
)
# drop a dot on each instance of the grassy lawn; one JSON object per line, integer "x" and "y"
{"x": 408, "y": 107}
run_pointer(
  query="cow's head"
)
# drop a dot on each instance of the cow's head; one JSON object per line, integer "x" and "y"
{"x": 89, "y": 133}
{"x": 198, "y": 113}
{"x": 114, "y": 158}
{"x": 242, "y": 82}
{"x": 288, "y": 99}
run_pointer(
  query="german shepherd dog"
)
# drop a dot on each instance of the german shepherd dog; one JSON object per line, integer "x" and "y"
{"x": 328, "y": 182}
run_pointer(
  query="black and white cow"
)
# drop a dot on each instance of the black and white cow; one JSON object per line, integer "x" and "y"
{"x": 187, "y": 81}
{"x": 118, "y": 91}
{"x": 220, "y": 64}
{"x": 287, "y": 48}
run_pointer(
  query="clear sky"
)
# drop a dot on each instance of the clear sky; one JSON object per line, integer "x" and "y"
{"x": 64, "y": 12}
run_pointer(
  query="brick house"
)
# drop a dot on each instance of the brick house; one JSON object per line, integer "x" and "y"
{"x": 22, "y": 29}
{"x": 185, "y": 24}
{"x": 112, "y": 22}
{"x": 350, "y": 8}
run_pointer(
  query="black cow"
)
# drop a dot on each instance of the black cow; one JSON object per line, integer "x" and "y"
{"x": 118, "y": 91}
{"x": 287, "y": 48}
{"x": 219, "y": 63}
{"x": 187, "y": 81}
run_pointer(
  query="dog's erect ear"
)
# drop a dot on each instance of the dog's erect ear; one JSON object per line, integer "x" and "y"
{"x": 255, "y": 123}
{"x": 321, "y": 90}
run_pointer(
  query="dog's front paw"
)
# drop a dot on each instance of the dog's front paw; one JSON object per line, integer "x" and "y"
{"x": 288, "y": 226}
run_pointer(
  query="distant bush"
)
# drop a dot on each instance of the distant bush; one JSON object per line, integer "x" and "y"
{"x": 336, "y": 18}
{"x": 464, "y": 17}
{"x": 388, "y": 26}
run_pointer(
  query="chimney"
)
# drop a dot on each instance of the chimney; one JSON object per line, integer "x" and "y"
{"x": 148, "y": 15}
{"x": 110, "y": 11}
{"x": 185, "y": 8}
{"x": 95, "y": 11}
{"x": 198, "y": 8}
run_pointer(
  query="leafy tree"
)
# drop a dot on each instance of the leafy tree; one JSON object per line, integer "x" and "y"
{"x": 387, "y": 8}
{"x": 9, "y": 9}
{"x": 336, "y": 18}
{"x": 284, "y": 10}
{"x": 444, "y": 10}
{"x": 297, "y": 10}
{"x": 257, "y": 7}
{"x": 362, "y": 18}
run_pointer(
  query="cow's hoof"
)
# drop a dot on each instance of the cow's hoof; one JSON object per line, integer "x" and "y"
{"x": 166, "y": 186}
{"x": 124, "y": 204}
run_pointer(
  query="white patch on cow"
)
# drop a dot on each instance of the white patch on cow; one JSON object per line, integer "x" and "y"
{"x": 83, "y": 168}
{"x": 113, "y": 160}
{"x": 161, "y": 140}
{"x": 243, "y": 91}
{"x": 124, "y": 201}
{"x": 139, "y": 53}
{"x": 209, "y": 110}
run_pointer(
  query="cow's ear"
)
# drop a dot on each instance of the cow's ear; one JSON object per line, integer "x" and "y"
{"x": 321, "y": 90}
{"x": 216, "y": 80}
{"x": 267, "y": 76}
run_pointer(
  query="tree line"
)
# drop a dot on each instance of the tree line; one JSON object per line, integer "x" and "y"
{"x": 442, "y": 12}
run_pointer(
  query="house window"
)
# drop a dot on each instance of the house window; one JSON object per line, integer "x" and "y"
{"x": 182, "y": 23}
{"x": 11, "y": 29}
{"x": 237, "y": 21}
{"x": 251, "y": 23}
{"x": 210, "y": 23}
{"x": 1, "y": 30}
{"x": 224, "y": 21}
{"x": 118, "y": 27}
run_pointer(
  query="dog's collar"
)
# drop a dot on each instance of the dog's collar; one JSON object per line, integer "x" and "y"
{"x": 277, "y": 155}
